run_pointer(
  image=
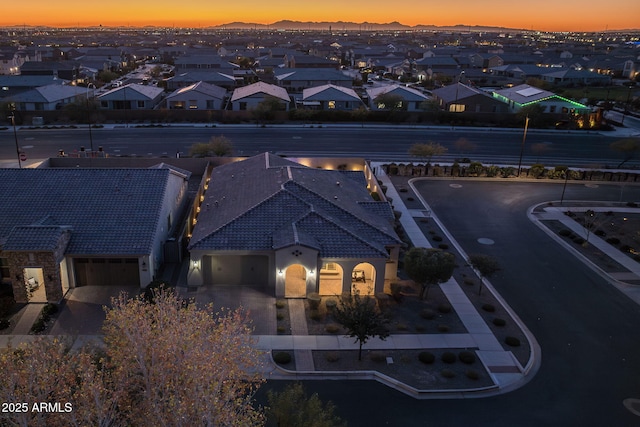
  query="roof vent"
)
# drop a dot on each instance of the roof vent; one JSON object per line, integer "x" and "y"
{"x": 337, "y": 182}
{"x": 335, "y": 197}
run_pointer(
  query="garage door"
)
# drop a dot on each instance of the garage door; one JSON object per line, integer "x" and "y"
{"x": 250, "y": 270}
{"x": 106, "y": 271}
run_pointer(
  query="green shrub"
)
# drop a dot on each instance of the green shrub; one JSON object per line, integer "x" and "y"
{"x": 632, "y": 204}
{"x": 332, "y": 356}
{"x": 492, "y": 171}
{"x": 475, "y": 169}
{"x": 332, "y": 328}
{"x": 426, "y": 357}
{"x": 314, "y": 300}
{"x": 444, "y": 308}
{"x": 467, "y": 357}
{"x": 499, "y": 322}
{"x": 402, "y": 327}
{"x": 49, "y": 309}
{"x": 403, "y": 190}
{"x": 377, "y": 356}
{"x": 613, "y": 240}
{"x": 512, "y": 341}
{"x": 448, "y": 357}
{"x": 472, "y": 375}
{"x": 427, "y": 313}
{"x": 280, "y": 304}
{"x": 578, "y": 240}
{"x": 282, "y": 357}
{"x": 410, "y": 199}
{"x": 599, "y": 232}
{"x": 280, "y": 316}
{"x": 315, "y": 315}
{"x": 490, "y": 308}
{"x": 38, "y": 326}
{"x": 281, "y": 329}
{"x": 443, "y": 246}
{"x": 537, "y": 170}
{"x": 437, "y": 239}
{"x": 447, "y": 373}
{"x": 443, "y": 328}
{"x": 331, "y": 304}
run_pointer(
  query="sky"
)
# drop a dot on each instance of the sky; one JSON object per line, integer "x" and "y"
{"x": 544, "y": 15}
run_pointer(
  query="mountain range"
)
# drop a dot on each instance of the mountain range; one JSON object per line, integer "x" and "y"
{"x": 362, "y": 26}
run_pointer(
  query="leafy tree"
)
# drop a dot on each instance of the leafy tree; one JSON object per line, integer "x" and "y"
{"x": 486, "y": 265}
{"x": 106, "y": 76}
{"x": 82, "y": 110}
{"x": 182, "y": 365}
{"x": 627, "y": 146}
{"x": 266, "y": 109}
{"x": 428, "y": 266}
{"x": 219, "y": 146}
{"x": 361, "y": 318}
{"x": 430, "y": 106}
{"x": 293, "y": 408}
{"x": 427, "y": 151}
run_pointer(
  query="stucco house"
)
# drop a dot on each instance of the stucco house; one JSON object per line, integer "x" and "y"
{"x": 248, "y": 97}
{"x": 198, "y": 96}
{"x": 48, "y": 98}
{"x": 131, "y": 97}
{"x": 331, "y": 97}
{"x": 519, "y": 96}
{"x": 411, "y": 98}
{"x": 271, "y": 222}
{"x": 298, "y": 79}
{"x": 65, "y": 228}
{"x": 458, "y": 98}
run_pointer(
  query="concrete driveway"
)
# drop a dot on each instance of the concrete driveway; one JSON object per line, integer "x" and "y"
{"x": 82, "y": 312}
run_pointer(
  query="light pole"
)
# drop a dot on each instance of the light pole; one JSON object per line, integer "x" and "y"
{"x": 15, "y": 136}
{"x": 89, "y": 117}
{"x": 457, "y": 87}
{"x": 524, "y": 137}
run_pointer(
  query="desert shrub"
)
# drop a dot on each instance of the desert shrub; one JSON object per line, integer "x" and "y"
{"x": 490, "y": 308}
{"x": 420, "y": 328}
{"x": 280, "y": 304}
{"x": 281, "y": 329}
{"x": 437, "y": 239}
{"x": 600, "y": 233}
{"x": 443, "y": 328}
{"x": 613, "y": 240}
{"x": 377, "y": 356}
{"x": 499, "y": 322}
{"x": 332, "y": 356}
{"x": 314, "y": 300}
{"x": 410, "y": 199}
{"x": 475, "y": 169}
{"x": 443, "y": 246}
{"x": 331, "y": 304}
{"x": 448, "y": 357}
{"x": 472, "y": 375}
{"x": 469, "y": 281}
{"x": 315, "y": 315}
{"x": 280, "y": 316}
{"x": 447, "y": 373}
{"x": 402, "y": 327}
{"x": 578, "y": 240}
{"x": 537, "y": 170}
{"x": 282, "y": 357}
{"x": 332, "y": 328}
{"x": 49, "y": 309}
{"x": 467, "y": 357}
{"x": 512, "y": 341}
{"x": 564, "y": 232}
{"x": 444, "y": 308}
{"x": 507, "y": 172}
{"x": 492, "y": 171}
{"x": 427, "y": 313}
{"x": 426, "y": 357}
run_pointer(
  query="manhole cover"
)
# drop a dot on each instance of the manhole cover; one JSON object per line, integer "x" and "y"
{"x": 455, "y": 185}
{"x": 633, "y": 405}
{"x": 485, "y": 241}
{"x": 591, "y": 185}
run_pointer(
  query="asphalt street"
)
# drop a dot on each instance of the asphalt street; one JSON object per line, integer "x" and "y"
{"x": 372, "y": 142}
{"x": 586, "y": 328}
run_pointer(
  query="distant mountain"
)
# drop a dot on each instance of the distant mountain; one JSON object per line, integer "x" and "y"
{"x": 362, "y": 26}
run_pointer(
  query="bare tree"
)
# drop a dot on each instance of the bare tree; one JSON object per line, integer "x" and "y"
{"x": 427, "y": 151}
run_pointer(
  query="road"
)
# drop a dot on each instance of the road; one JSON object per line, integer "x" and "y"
{"x": 372, "y": 142}
{"x": 586, "y": 328}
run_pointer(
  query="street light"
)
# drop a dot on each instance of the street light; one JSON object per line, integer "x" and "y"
{"x": 524, "y": 137}
{"x": 89, "y": 117}
{"x": 457, "y": 87}
{"x": 15, "y": 136}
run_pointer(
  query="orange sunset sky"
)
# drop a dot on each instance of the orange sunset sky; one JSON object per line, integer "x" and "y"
{"x": 546, "y": 15}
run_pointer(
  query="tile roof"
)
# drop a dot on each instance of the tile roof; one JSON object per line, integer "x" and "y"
{"x": 204, "y": 88}
{"x": 329, "y": 92}
{"x": 284, "y": 203}
{"x": 34, "y": 238}
{"x": 407, "y": 93}
{"x": 260, "y": 88}
{"x": 110, "y": 211}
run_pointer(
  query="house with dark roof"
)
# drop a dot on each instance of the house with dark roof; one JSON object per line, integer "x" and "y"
{"x": 48, "y": 98}
{"x": 458, "y": 98}
{"x": 331, "y": 97}
{"x": 131, "y": 97}
{"x": 295, "y": 80}
{"x": 198, "y": 96}
{"x": 271, "y": 222}
{"x": 223, "y": 78}
{"x": 248, "y": 97}
{"x": 65, "y": 228}
{"x": 410, "y": 99}
{"x": 519, "y": 96}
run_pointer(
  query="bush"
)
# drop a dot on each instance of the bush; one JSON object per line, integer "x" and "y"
{"x": 437, "y": 239}
{"x": 282, "y": 357}
{"x": 448, "y": 357}
{"x": 564, "y": 232}
{"x": 613, "y": 240}
{"x": 410, "y": 199}
{"x": 332, "y": 356}
{"x": 38, "y": 326}
{"x": 578, "y": 240}
{"x": 331, "y": 304}
{"x": 4, "y": 324}
{"x": 472, "y": 375}
{"x": 281, "y": 329}
{"x": 427, "y": 313}
{"x": 420, "y": 328}
{"x": 314, "y": 300}
{"x": 280, "y": 316}
{"x": 315, "y": 315}
{"x": 443, "y": 328}
{"x": 49, "y": 309}
{"x": 499, "y": 322}
{"x": 537, "y": 170}
{"x": 402, "y": 327}
{"x": 512, "y": 341}
{"x": 632, "y": 204}
{"x": 280, "y": 304}
{"x": 600, "y": 233}
{"x": 426, "y": 357}
{"x": 468, "y": 281}
{"x": 447, "y": 373}
{"x": 403, "y": 190}
{"x": 467, "y": 357}
{"x": 443, "y": 246}
{"x": 377, "y": 356}
{"x": 488, "y": 308}
{"x": 444, "y": 308}
{"x": 332, "y": 328}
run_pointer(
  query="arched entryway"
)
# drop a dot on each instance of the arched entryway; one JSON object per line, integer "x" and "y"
{"x": 363, "y": 279}
{"x": 331, "y": 275}
{"x": 295, "y": 281}
{"x": 34, "y": 281}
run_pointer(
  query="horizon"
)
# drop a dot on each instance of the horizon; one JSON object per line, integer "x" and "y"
{"x": 201, "y": 14}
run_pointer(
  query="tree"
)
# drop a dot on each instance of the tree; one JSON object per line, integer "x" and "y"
{"x": 180, "y": 364}
{"x": 428, "y": 266}
{"x": 486, "y": 265}
{"x": 293, "y": 408}
{"x": 427, "y": 151}
{"x": 265, "y": 110}
{"x": 217, "y": 146}
{"x": 464, "y": 146}
{"x": 627, "y": 146}
{"x": 361, "y": 318}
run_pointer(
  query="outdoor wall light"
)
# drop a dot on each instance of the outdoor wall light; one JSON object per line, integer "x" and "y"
{"x": 312, "y": 272}
{"x": 195, "y": 263}
{"x": 280, "y": 272}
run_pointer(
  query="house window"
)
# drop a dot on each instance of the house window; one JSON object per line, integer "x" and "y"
{"x": 193, "y": 104}
{"x": 140, "y": 104}
{"x": 210, "y": 104}
{"x": 456, "y": 108}
{"x": 552, "y": 109}
{"x": 176, "y": 105}
{"x": 332, "y": 105}
{"x": 4, "y": 268}
{"x": 330, "y": 266}
{"x": 243, "y": 106}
